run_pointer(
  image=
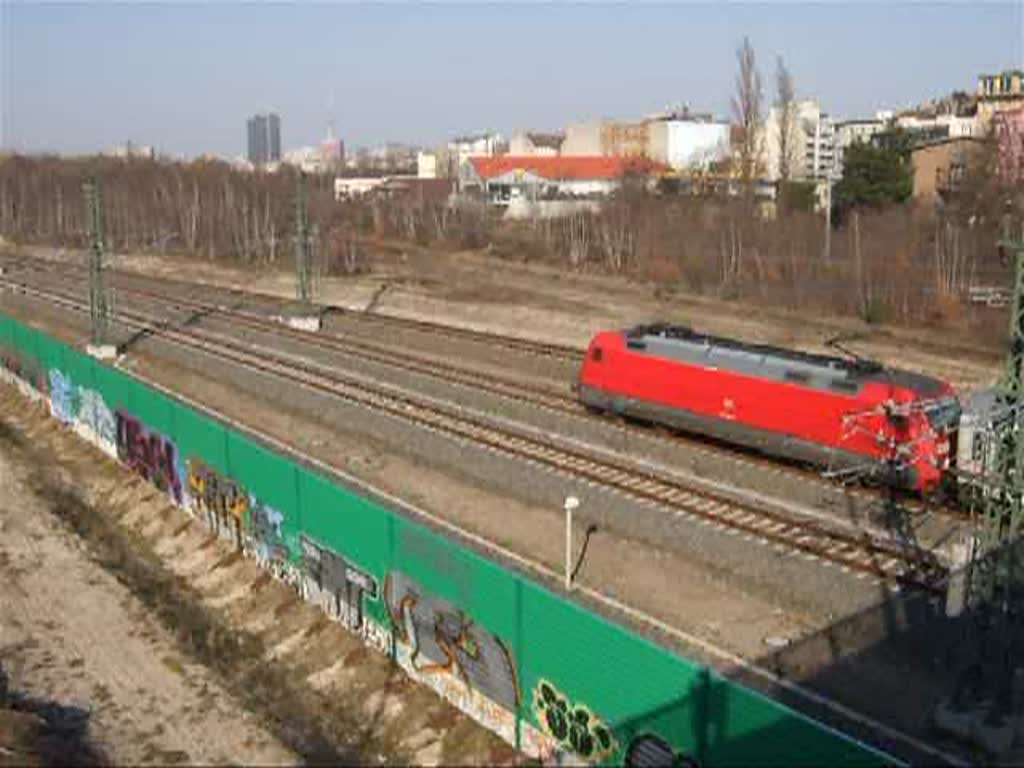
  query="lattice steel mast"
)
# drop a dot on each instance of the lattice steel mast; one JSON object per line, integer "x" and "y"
{"x": 99, "y": 308}
{"x": 304, "y": 244}
{"x": 995, "y": 576}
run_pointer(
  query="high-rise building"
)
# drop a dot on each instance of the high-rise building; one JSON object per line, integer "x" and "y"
{"x": 257, "y": 146}
{"x": 274, "y": 129}
{"x": 264, "y": 139}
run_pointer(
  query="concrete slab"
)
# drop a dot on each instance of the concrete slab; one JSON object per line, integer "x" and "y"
{"x": 102, "y": 351}
{"x": 302, "y": 322}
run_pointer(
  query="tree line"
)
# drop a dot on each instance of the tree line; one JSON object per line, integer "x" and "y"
{"x": 202, "y": 208}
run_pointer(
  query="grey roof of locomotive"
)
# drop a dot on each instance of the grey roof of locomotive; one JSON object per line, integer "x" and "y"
{"x": 840, "y": 374}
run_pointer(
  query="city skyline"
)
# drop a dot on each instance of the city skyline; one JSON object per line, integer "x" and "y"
{"x": 423, "y": 73}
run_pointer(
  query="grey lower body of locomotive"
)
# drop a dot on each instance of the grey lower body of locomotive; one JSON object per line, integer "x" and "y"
{"x": 763, "y": 440}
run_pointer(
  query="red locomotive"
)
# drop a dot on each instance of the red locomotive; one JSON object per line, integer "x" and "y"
{"x": 849, "y": 415}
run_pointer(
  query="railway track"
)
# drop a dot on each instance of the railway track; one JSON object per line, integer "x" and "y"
{"x": 489, "y": 381}
{"x": 884, "y": 559}
{"x": 408, "y": 361}
{"x": 496, "y": 384}
{"x": 562, "y": 352}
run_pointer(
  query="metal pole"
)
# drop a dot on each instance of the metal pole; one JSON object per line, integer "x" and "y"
{"x": 571, "y": 502}
{"x": 302, "y": 287}
{"x": 828, "y": 219}
{"x": 993, "y": 582}
{"x": 98, "y": 309}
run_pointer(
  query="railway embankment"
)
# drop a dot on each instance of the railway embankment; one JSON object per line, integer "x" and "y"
{"x": 753, "y": 558}
{"x": 146, "y": 429}
{"x": 493, "y": 376}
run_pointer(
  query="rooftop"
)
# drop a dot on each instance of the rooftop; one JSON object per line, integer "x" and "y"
{"x": 925, "y": 145}
{"x": 790, "y": 365}
{"x": 560, "y": 167}
{"x": 1003, "y": 73}
{"x": 552, "y": 140}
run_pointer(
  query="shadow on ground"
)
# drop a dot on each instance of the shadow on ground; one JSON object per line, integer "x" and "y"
{"x": 37, "y": 732}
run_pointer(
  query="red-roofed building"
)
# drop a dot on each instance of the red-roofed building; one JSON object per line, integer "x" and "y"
{"x": 506, "y": 177}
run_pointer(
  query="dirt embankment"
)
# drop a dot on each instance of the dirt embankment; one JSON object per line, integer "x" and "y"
{"x": 38, "y": 732}
{"x": 92, "y": 676}
{"x": 172, "y": 647}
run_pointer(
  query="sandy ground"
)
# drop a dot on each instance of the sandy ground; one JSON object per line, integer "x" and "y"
{"x": 71, "y": 633}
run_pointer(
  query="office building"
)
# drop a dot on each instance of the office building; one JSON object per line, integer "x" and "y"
{"x": 263, "y": 139}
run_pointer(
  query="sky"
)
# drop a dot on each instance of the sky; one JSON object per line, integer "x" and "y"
{"x": 183, "y": 77}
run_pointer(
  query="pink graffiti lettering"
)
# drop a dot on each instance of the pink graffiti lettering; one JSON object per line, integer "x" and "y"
{"x": 149, "y": 454}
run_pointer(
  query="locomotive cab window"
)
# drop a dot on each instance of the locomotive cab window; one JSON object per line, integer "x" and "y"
{"x": 596, "y": 354}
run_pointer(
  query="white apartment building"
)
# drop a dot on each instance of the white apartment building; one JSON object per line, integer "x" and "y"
{"x": 582, "y": 138}
{"x": 952, "y": 126}
{"x": 527, "y": 143}
{"x": 858, "y": 130}
{"x": 479, "y": 145}
{"x": 813, "y": 143}
{"x": 426, "y": 165}
{"x": 688, "y": 143}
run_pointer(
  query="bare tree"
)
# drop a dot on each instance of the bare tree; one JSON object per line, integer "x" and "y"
{"x": 786, "y": 98}
{"x": 746, "y": 106}
{"x": 617, "y": 235}
{"x": 576, "y": 233}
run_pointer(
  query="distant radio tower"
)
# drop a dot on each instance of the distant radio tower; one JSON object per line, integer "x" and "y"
{"x": 330, "y": 117}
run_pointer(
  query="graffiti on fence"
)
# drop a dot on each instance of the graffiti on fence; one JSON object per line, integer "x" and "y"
{"x": 95, "y": 421}
{"x": 264, "y": 537}
{"x": 63, "y": 397}
{"x": 443, "y": 642}
{"x": 24, "y": 369}
{"x": 341, "y": 588}
{"x": 83, "y": 409}
{"x": 265, "y": 542}
{"x": 149, "y": 454}
{"x": 651, "y": 751}
{"x": 573, "y": 726}
{"x": 220, "y": 500}
{"x": 538, "y": 745}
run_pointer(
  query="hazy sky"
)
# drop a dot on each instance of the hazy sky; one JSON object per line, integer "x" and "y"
{"x": 183, "y": 77}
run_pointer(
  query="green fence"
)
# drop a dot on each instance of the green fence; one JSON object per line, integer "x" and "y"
{"x": 545, "y": 673}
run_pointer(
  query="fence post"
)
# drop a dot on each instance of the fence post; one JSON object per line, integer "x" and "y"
{"x": 297, "y": 472}
{"x": 703, "y": 705}
{"x": 390, "y": 567}
{"x": 518, "y": 603}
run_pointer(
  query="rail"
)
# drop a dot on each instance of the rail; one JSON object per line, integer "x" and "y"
{"x": 863, "y": 553}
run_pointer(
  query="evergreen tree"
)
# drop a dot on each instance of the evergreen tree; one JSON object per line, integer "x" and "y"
{"x": 875, "y": 176}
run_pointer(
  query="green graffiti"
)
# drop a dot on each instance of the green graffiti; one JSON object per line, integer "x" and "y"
{"x": 573, "y": 726}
